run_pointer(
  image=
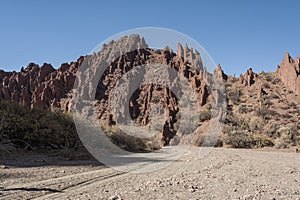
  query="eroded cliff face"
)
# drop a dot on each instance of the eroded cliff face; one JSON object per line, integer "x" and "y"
{"x": 44, "y": 87}
{"x": 289, "y": 72}
{"x": 38, "y": 86}
{"x": 186, "y": 62}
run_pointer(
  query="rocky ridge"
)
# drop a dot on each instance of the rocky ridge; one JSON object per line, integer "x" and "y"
{"x": 44, "y": 87}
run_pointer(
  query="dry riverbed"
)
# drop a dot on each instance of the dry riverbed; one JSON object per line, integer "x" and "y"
{"x": 221, "y": 174}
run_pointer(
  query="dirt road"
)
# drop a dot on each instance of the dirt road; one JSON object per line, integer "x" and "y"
{"x": 222, "y": 174}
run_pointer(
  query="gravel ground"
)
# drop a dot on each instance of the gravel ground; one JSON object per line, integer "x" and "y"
{"x": 222, "y": 174}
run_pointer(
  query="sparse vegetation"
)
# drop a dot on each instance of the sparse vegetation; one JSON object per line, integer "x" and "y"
{"x": 209, "y": 140}
{"x": 31, "y": 129}
{"x": 36, "y": 129}
{"x": 158, "y": 51}
{"x": 205, "y": 114}
{"x": 6, "y": 146}
{"x": 130, "y": 143}
{"x": 234, "y": 93}
{"x": 273, "y": 96}
{"x": 266, "y": 85}
{"x": 285, "y": 137}
{"x": 261, "y": 140}
{"x": 293, "y": 105}
{"x": 246, "y": 139}
{"x": 271, "y": 78}
{"x": 238, "y": 138}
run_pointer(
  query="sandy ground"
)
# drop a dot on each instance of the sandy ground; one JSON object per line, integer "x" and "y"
{"x": 222, "y": 174}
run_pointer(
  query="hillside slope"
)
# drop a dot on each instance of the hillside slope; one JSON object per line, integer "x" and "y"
{"x": 262, "y": 108}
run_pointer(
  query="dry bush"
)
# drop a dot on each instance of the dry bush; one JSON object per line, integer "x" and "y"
{"x": 209, "y": 140}
{"x": 266, "y": 113}
{"x": 205, "y": 115}
{"x": 7, "y": 147}
{"x": 244, "y": 109}
{"x": 270, "y": 129}
{"x": 131, "y": 143}
{"x": 286, "y": 115}
{"x": 158, "y": 51}
{"x": 234, "y": 94}
{"x": 268, "y": 103}
{"x": 285, "y": 136}
{"x": 273, "y": 96}
{"x": 275, "y": 80}
{"x": 272, "y": 78}
{"x": 266, "y": 85}
{"x": 261, "y": 140}
{"x": 269, "y": 77}
{"x": 242, "y": 132}
{"x": 239, "y": 122}
{"x": 256, "y": 124}
{"x": 246, "y": 139}
{"x": 238, "y": 138}
{"x": 293, "y": 105}
{"x": 37, "y": 129}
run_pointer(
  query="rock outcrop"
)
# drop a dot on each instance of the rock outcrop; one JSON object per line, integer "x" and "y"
{"x": 289, "y": 72}
{"x": 38, "y": 87}
{"x": 219, "y": 73}
{"x": 248, "y": 78}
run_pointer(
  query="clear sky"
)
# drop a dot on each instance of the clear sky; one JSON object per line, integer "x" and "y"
{"x": 238, "y": 34}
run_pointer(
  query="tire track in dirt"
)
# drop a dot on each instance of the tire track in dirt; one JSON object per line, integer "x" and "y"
{"x": 56, "y": 185}
{"x": 79, "y": 188}
{"x": 82, "y": 186}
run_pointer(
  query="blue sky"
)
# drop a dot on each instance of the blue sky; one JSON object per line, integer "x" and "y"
{"x": 237, "y": 34}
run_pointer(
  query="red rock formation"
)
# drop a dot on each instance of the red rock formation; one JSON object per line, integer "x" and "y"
{"x": 38, "y": 87}
{"x": 248, "y": 78}
{"x": 45, "y": 87}
{"x": 219, "y": 73}
{"x": 289, "y": 72}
